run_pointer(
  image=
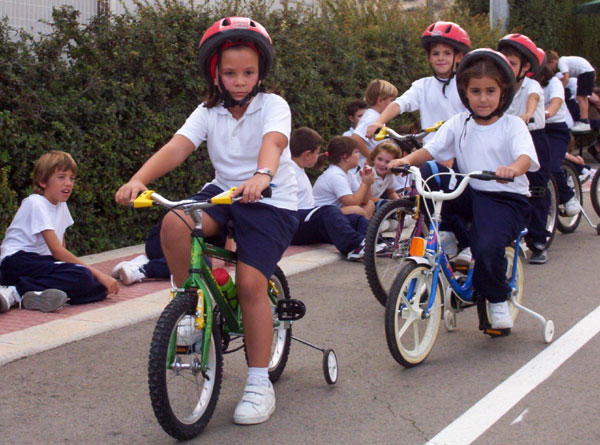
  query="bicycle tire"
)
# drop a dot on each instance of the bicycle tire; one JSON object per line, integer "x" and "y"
{"x": 595, "y": 192}
{"x": 564, "y": 223}
{"x": 282, "y": 334}
{"x": 382, "y": 269}
{"x": 518, "y": 290}
{"x": 552, "y": 212}
{"x": 408, "y": 341}
{"x": 183, "y": 413}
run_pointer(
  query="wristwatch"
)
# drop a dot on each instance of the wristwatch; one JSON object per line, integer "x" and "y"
{"x": 264, "y": 171}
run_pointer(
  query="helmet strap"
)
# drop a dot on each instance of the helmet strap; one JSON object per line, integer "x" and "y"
{"x": 230, "y": 102}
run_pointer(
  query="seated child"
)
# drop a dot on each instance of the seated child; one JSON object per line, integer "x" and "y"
{"x": 40, "y": 272}
{"x": 383, "y": 186}
{"x": 338, "y": 186}
{"x": 354, "y": 111}
{"x": 378, "y": 95}
{"x": 485, "y": 138}
{"x": 151, "y": 265}
{"x": 324, "y": 224}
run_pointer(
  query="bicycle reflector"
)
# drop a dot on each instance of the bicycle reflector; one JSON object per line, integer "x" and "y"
{"x": 144, "y": 200}
{"x": 417, "y": 246}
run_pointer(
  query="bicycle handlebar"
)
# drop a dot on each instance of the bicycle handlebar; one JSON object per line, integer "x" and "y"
{"x": 483, "y": 175}
{"x": 385, "y": 131}
{"x": 149, "y": 197}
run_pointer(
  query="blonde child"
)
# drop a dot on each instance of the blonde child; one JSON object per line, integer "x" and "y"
{"x": 435, "y": 97}
{"x": 39, "y": 270}
{"x": 384, "y": 183}
{"x": 338, "y": 185}
{"x": 485, "y": 138}
{"x": 247, "y": 132}
{"x": 378, "y": 95}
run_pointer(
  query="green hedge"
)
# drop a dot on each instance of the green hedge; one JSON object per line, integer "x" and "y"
{"x": 113, "y": 91}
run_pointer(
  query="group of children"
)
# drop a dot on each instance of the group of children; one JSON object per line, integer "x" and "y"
{"x": 495, "y": 119}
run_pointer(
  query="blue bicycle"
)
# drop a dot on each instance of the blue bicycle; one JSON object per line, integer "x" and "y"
{"x": 429, "y": 286}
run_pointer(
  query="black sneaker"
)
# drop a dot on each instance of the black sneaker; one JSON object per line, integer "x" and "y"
{"x": 538, "y": 256}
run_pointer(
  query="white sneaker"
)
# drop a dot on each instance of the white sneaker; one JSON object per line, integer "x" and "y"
{"x": 464, "y": 257}
{"x": 389, "y": 225}
{"x": 131, "y": 273}
{"x": 449, "y": 242}
{"x": 138, "y": 260}
{"x": 500, "y": 315}
{"x": 256, "y": 406}
{"x": 581, "y": 127}
{"x": 572, "y": 207}
{"x": 48, "y": 300}
{"x": 586, "y": 174}
{"x": 358, "y": 253}
{"x": 8, "y": 297}
{"x": 187, "y": 334}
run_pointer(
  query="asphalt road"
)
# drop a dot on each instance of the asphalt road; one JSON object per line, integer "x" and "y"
{"x": 95, "y": 390}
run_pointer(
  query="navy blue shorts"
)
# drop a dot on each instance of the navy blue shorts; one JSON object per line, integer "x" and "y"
{"x": 585, "y": 83}
{"x": 262, "y": 232}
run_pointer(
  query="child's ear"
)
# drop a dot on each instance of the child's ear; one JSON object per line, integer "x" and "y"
{"x": 459, "y": 56}
{"x": 525, "y": 67}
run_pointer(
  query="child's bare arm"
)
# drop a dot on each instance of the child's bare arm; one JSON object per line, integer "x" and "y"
{"x": 519, "y": 167}
{"x": 362, "y": 147}
{"x": 532, "y": 101}
{"x": 417, "y": 158}
{"x": 60, "y": 252}
{"x": 163, "y": 161}
{"x": 390, "y": 112}
{"x": 553, "y": 106}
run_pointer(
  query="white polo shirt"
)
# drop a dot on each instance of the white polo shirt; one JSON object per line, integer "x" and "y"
{"x": 233, "y": 145}
{"x": 426, "y": 96}
{"x": 485, "y": 147}
{"x": 518, "y": 106}
{"x": 35, "y": 215}
{"x": 555, "y": 89}
{"x": 332, "y": 185}
{"x": 574, "y": 65}
{"x": 305, "y": 196}
{"x": 380, "y": 185}
{"x": 367, "y": 119}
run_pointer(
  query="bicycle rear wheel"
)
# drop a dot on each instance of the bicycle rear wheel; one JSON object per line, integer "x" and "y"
{"x": 183, "y": 397}
{"x": 595, "y": 192}
{"x": 393, "y": 224}
{"x": 410, "y": 331}
{"x": 552, "y": 212}
{"x": 565, "y": 223}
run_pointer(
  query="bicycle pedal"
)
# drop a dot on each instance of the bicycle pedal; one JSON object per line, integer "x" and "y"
{"x": 290, "y": 310}
{"x": 497, "y": 332}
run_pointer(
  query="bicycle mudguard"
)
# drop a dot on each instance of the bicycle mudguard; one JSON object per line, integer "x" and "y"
{"x": 484, "y": 323}
{"x": 418, "y": 259}
{"x": 290, "y": 309}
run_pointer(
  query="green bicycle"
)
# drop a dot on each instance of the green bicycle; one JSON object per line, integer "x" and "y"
{"x": 201, "y": 323}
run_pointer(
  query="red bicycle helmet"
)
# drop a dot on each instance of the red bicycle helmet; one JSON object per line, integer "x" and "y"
{"x": 231, "y": 31}
{"x": 502, "y": 63}
{"x": 446, "y": 32}
{"x": 525, "y": 46}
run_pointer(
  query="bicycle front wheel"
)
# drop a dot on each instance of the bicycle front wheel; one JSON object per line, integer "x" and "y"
{"x": 565, "y": 223}
{"x": 410, "y": 329}
{"x": 183, "y": 396}
{"x": 393, "y": 225}
{"x": 595, "y": 192}
{"x": 552, "y": 212}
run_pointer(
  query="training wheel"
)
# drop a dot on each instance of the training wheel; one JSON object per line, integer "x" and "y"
{"x": 548, "y": 331}
{"x": 330, "y": 366}
{"x": 450, "y": 320}
{"x": 598, "y": 229}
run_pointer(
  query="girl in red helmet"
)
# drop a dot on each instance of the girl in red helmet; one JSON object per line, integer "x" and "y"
{"x": 436, "y": 96}
{"x": 246, "y": 132}
{"x": 528, "y": 103}
{"x": 485, "y": 138}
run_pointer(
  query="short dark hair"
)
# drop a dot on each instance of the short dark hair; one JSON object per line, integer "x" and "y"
{"x": 340, "y": 147}
{"x": 354, "y": 106}
{"x": 304, "y": 139}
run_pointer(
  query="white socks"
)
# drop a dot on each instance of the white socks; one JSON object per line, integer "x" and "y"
{"x": 258, "y": 376}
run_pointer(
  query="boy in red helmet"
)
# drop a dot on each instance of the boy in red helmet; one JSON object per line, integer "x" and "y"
{"x": 528, "y": 103}
{"x": 247, "y": 135}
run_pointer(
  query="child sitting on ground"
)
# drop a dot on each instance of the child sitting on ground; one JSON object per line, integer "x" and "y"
{"x": 354, "y": 111}
{"x": 39, "y": 271}
{"x": 338, "y": 185}
{"x": 378, "y": 96}
{"x": 485, "y": 138}
{"x": 383, "y": 186}
{"x": 324, "y": 224}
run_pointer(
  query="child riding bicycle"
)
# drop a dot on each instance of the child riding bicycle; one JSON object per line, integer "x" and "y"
{"x": 247, "y": 132}
{"x": 484, "y": 138}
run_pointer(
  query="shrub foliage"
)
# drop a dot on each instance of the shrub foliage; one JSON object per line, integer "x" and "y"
{"x": 111, "y": 92}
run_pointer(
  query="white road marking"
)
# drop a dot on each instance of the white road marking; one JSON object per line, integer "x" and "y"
{"x": 520, "y": 417}
{"x": 477, "y": 419}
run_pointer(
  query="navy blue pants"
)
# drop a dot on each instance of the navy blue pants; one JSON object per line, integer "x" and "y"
{"x": 328, "y": 224}
{"x": 496, "y": 219}
{"x": 32, "y": 272}
{"x": 157, "y": 266}
{"x": 558, "y": 135}
{"x": 538, "y": 184}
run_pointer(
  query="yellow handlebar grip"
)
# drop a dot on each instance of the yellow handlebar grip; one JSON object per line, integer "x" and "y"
{"x": 143, "y": 200}
{"x": 434, "y": 127}
{"x": 223, "y": 198}
{"x": 381, "y": 134}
